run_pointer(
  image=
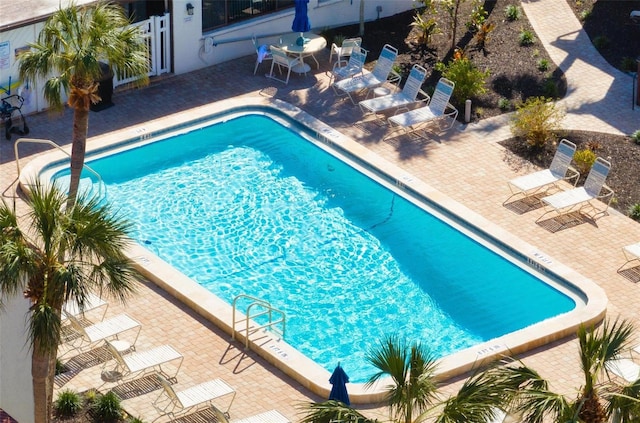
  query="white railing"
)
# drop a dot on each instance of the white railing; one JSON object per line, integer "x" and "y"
{"x": 156, "y": 36}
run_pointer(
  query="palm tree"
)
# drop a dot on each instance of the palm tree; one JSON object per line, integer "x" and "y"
{"x": 413, "y": 395}
{"x": 62, "y": 254}
{"x": 600, "y": 398}
{"x": 68, "y": 54}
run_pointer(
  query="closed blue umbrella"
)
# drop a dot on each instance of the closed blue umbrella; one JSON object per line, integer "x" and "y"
{"x": 301, "y": 20}
{"x": 339, "y": 380}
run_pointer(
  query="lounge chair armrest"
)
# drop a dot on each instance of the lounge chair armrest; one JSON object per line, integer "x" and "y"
{"x": 606, "y": 193}
{"x": 394, "y": 77}
{"x": 340, "y": 64}
{"x": 423, "y": 96}
{"x": 572, "y": 174}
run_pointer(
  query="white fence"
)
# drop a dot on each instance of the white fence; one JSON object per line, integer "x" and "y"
{"x": 155, "y": 32}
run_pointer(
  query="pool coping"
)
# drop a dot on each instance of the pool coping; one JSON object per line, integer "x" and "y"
{"x": 281, "y": 354}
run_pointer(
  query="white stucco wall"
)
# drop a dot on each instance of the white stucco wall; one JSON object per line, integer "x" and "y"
{"x": 190, "y": 52}
{"x": 16, "y": 391}
{"x": 12, "y": 41}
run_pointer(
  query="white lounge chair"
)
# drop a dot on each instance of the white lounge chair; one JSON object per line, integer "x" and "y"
{"x": 436, "y": 110}
{"x": 400, "y": 100}
{"x": 281, "y": 59}
{"x": 348, "y": 44}
{"x": 631, "y": 254}
{"x": 138, "y": 363}
{"x": 92, "y": 302}
{"x": 543, "y": 180}
{"x": 577, "y": 199}
{"x": 173, "y": 404}
{"x": 625, "y": 368}
{"x": 382, "y": 72}
{"x": 354, "y": 66}
{"x": 263, "y": 53}
{"x": 87, "y": 337}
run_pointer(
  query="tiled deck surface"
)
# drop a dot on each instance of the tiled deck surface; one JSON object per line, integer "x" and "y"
{"x": 467, "y": 164}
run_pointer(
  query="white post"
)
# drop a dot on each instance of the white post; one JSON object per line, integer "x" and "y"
{"x": 467, "y": 111}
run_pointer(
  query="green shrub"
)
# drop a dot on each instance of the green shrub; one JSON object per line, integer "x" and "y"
{"x": 526, "y": 37}
{"x": 584, "y": 159}
{"x": 512, "y": 12}
{"x": 338, "y": 39}
{"x": 68, "y": 403}
{"x": 601, "y": 42}
{"x": 543, "y": 65}
{"x": 550, "y": 89}
{"x": 135, "y": 420}
{"x": 504, "y": 104}
{"x": 470, "y": 82}
{"x": 636, "y": 137}
{"x": 107, "y": 408}
{"x": 91, "y": 396}
{"x": 536, "y": 120}
{"x": 478, "y": 16}
{"x": 585, "y": 14}
{"x": 426, "y": 27}
{"x": 60, "y": 368}
{"x": 628, "y": 64}
{"x": 634, "y": 212}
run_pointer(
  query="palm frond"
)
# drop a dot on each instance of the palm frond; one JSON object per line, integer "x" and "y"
{"x": 325, "y": 412}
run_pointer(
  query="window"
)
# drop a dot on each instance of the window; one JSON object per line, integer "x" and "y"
{"x": 219, "y": 13}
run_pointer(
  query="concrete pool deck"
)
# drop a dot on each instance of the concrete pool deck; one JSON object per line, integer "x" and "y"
{"x": 466, "y": 164}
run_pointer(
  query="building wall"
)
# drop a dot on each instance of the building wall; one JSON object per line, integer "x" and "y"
{"x": 194, "y": 50}
{"x": 16, "y": 390}
{"x": 10, "y": 43}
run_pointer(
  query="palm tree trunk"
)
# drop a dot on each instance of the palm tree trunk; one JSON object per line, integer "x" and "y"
{"x": 42, "y": 389}
{"x": 78, "y": 148}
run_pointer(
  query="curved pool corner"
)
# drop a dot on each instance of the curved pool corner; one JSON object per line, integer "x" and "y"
{"x": 588, "y": 311}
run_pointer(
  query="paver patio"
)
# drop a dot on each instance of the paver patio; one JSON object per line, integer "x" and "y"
{"x": 467, "y": 164}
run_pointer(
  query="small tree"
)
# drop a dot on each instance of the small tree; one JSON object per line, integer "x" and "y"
{"x": 469, "y": 80}
{"x": 425, "y": 22}
{"x": 536, "y": 120}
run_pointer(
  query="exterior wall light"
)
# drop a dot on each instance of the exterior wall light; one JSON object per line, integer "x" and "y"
{"x": 190, "y": 9}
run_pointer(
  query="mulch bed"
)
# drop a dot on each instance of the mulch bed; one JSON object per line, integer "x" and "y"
{"x": 515, "y": 76}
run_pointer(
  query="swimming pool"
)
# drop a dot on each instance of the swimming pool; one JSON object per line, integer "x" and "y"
{"x": 368, "y": 225}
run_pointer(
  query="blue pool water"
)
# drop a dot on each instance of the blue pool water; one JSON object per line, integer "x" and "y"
{"x": 249, "y": 207}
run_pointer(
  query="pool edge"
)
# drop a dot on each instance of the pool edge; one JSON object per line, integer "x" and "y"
{"x": 278, "y": 352}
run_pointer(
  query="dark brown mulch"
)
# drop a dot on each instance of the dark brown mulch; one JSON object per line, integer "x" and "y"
{"x": 515, "y": 75}
{"x": 610, "y": 28}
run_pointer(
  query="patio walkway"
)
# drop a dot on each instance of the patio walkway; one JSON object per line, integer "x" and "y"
{"x": 466, "y": 164}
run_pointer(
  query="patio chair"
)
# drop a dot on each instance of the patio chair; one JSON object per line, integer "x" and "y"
{"x": 86, "y": 337}
{"x": 577, "y": 199}
{"x": 625, "y": 368}
{"x": 173, "y": 403}
{"x": 400, "y": 100}
{"x": 281, "y": 59}
{"x": 436, "y": 110}
{"x": 138, "y": 363}
{"x": 631, "y": 254}
{"x": 348, "y": 45}
{"x": 543, "y": 180}
{"x": 354, "y": 66}
{"x": 91, "y": 303}
{"x": 263, "y": 53}
{"x": 382, "y": 72}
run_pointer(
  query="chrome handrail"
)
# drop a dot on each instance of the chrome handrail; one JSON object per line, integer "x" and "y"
{"x": 53, "y": 144}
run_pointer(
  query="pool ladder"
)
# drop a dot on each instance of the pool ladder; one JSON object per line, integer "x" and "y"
{"x": 259, "y": 308}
